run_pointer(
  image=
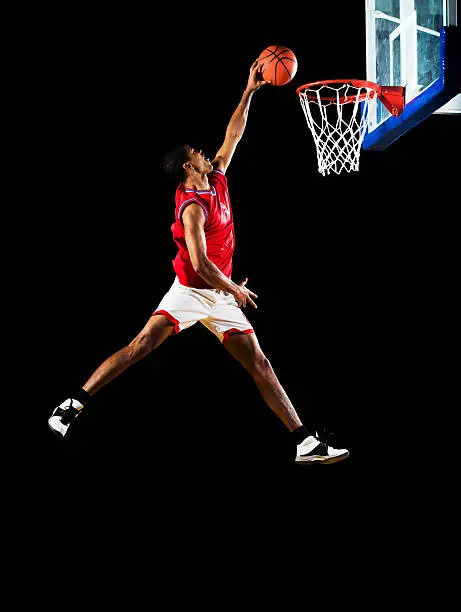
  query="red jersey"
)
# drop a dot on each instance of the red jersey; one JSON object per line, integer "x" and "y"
{"x": 219, "y": 229}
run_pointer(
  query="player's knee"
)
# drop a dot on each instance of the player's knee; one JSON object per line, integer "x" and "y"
{"x": 141, "y": 346}
{"x": 261, "y": 367}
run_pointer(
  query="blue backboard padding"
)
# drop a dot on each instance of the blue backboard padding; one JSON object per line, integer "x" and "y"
{"x": 439, "y": 93}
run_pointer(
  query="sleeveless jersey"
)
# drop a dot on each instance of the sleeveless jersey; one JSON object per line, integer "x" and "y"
{"x": 219, "y": 229}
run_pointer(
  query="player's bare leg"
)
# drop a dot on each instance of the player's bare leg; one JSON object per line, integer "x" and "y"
{"x": 310, "y": 450}
{"x": 156, "y": 330}
{"x": 245, "y": 348}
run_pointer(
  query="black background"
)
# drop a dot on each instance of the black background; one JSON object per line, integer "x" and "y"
{"x": 350, "y": 270}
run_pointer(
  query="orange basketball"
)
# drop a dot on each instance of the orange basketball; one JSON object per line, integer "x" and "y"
{"x": 279, "y": 64}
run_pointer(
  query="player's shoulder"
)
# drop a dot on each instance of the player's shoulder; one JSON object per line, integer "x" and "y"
{"x": 216, "y": 169}
{"x": 217, "y": 176}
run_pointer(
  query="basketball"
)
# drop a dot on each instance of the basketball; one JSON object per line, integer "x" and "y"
{"x": 279, "y": 64}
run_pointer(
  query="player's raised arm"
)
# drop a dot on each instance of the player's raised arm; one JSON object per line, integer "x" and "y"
{"x": 238, "y": 120}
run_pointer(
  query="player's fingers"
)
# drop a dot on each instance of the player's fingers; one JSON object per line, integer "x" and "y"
{"x": 252, "y": 294}
{"x": 259, "y": 71}
{"x": 251, "y": 302}
{"x": 244, "y": 282}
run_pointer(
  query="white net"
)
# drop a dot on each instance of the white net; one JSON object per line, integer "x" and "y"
{"x": 337, "y": 115}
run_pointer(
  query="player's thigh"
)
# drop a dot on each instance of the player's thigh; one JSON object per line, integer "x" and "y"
{"x": 245, "y": 348}
{"x": 157, "y": 329}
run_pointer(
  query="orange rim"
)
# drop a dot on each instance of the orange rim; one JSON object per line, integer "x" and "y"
{"x": 345, "y": 99}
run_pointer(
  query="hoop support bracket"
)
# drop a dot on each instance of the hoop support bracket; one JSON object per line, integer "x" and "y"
{"x": 393, "y": 98}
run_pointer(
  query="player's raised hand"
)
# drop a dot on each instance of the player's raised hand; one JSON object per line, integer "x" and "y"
{"x": 255, "y": 79}
{"x": 245, "y": 296}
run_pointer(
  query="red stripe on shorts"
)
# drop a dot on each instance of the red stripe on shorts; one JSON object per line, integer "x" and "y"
{"x": 170, "y": 318}
{"x": 233, "y": 331}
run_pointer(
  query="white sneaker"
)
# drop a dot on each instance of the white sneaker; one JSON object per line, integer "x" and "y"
{"x": 62, "y": 416}
{"x": 311, "y": 451}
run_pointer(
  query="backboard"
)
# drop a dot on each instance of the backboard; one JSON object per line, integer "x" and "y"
{"x": 414, "y": 44}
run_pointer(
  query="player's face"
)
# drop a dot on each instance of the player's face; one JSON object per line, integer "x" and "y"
{"x": 198, "y": 160}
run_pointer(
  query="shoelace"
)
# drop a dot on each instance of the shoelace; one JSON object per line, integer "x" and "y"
{"x": 69, "y": 413}
{"x": 325, "y": 436}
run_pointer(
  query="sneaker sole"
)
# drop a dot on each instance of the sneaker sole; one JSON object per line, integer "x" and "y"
{"x": 320, "y": 459}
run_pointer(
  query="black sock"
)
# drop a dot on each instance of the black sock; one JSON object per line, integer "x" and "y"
{"x": 81, "y": 396}
{"x": 298, "y": 435}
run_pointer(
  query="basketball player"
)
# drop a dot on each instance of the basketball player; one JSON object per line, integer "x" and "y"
{"x": 203, "y": 289}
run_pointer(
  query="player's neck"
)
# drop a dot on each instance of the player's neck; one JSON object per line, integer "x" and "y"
{"x": 197, "y": 181}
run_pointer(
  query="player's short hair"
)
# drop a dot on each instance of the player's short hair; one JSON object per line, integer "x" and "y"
{"x": 174, "y": 161}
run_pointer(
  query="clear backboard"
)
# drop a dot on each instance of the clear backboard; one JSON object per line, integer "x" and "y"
{"x": 414, "y": 44}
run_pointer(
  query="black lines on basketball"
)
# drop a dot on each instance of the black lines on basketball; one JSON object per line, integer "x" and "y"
{"x": 287, "y": 70}
{"x": 271, "y": 53}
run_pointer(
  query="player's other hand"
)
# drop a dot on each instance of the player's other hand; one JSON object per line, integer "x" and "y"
{"x": 244, "y": 296}
{"x": 255, "y": 80}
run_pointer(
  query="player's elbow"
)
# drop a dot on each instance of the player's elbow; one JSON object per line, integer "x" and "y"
{"x": 199, "y": 264}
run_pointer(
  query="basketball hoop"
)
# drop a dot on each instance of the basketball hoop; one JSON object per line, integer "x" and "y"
{"x": 338, "y": 127}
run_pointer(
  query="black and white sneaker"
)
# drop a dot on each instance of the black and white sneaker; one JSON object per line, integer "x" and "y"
{"x": 62, "y": 416}
{"x": 313, "y": 451}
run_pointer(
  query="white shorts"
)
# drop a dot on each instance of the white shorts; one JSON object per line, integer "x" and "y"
{"x": 217, "y": 310}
